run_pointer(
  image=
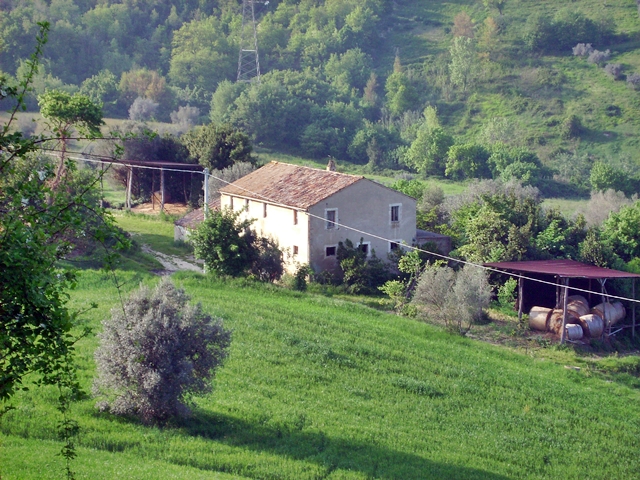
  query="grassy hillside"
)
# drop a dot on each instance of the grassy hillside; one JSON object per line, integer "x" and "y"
{"x": 533, "y": 91}
{"x": 319, "y": 387}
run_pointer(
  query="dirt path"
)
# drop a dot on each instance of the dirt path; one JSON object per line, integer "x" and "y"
{"x": 171, "y": 263}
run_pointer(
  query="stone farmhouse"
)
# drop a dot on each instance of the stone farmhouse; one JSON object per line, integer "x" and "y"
{"x": 309, "y": 211}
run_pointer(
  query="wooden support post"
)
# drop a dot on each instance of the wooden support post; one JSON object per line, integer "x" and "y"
{"x": 520, "y": 299}
{"x": 565, "y": 300}
{"x": 129, "y": 182}
{"x": 153, "y": 190}
{"x": 161, "y": 190}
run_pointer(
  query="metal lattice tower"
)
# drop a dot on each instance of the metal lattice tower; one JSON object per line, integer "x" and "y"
{"x": 248, "y": 62}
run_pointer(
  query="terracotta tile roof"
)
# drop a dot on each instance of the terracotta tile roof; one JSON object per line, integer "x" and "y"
{"x": 290, "y": 185}
{"x": 195, "y": 217}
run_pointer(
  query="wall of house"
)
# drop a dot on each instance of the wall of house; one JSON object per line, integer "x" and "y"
{"x": 278, "y": 224}
{"x": 365, "y": 206}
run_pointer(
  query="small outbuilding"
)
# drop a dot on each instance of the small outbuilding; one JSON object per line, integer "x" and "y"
{"x": 183, "y": 226}
{"x": 551, "y": 282}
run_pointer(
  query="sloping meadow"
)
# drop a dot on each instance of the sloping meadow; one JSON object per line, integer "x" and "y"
{"x": 316, "y": 387}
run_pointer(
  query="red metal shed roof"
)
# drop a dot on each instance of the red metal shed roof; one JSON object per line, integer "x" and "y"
{"x": 562, "y": 268}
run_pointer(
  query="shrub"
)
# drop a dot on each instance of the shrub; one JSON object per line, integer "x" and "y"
{"x": 155, "y": 352}
{"x": 457, "y": 298}
{"x": 599, "y": 57}
{"x": 268, "y": 265}
{"x": 613, "y": 69}
{"x": 300, "y": 277}
{"x": 604, "y": 176}
{"x": 601, "y": 204}
{"x": 225, "y": 243}
{"x": 507, "y": 293}
{"x": 142, "y": 109}
{"x": 224, "y": 177}
{"x": 633, "y": 80}
{"x": 468, "y": 161}
{"x": 360, "y": 274}
{"x": 185, "y": 117}
{"x": 571, "y": 127}
{"x": 582, "y": 49}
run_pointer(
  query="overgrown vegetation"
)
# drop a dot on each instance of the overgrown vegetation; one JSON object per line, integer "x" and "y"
{"x": 228, "y": 246}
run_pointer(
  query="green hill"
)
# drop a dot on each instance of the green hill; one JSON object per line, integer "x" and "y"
{"x": 317, "y": 387}
{"x": 317, "y": 97}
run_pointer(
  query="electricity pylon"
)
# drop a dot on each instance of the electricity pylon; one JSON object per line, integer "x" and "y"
{"x": 248, "y": 61}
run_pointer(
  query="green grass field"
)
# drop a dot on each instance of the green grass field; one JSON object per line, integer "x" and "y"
{"x": 321, "y": 387}
{"x": 155, "y": 231}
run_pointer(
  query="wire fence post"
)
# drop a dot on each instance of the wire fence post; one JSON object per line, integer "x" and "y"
{"x": 206, "y": 193}
{"x": 206, "y": 205}
{"x": 564, "y": 309}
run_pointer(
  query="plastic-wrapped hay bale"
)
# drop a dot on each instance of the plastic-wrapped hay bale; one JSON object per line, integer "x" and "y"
{"x": 539, "y": 318}
{"x": 555, "y": 319}
{"x": 578, "y": 304}
{"x": 611, "y": 313}
{"x": 574, "y": 332}
{"x": 579, "y": 298}
{"x": 592, "y": 325}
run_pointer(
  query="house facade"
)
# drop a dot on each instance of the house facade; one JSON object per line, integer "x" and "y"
{"x": 309, "y": 211}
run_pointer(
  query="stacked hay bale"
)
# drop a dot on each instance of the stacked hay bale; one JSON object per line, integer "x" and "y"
{"x": 581, "y": 320}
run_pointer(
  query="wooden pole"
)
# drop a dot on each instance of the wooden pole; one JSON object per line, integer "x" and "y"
{"x": 604, "y": 305}
{"x": 564, "y": 309}
{"x": 129, "y": 182}
{"x": 520, "y": 299}
{"x": 162, "y": 190}
{"x": 153, "y": 190}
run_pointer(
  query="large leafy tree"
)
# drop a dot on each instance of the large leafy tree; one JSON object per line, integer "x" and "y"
{"x": 202, "y": 55}
{"x": 66, "y": 114}
{"x": 218, "y": 146}
{"x": 463, "y": 68}
{"x": 36, "y": 222}
{"x": 620, "y": 231}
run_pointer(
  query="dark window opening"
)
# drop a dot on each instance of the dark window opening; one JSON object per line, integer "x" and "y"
{"x": 331, "y": 219}
{"x": 330, "y": 251}
{"x": 395, "y": 213}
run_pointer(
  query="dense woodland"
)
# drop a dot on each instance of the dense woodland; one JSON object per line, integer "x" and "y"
{"x": 536, "y": 92}
{"x": 501, "y": 80}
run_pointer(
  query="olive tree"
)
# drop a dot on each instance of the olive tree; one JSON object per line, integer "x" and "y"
{"x": 156, "y": 351}
{"x": 455, "y": 297}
